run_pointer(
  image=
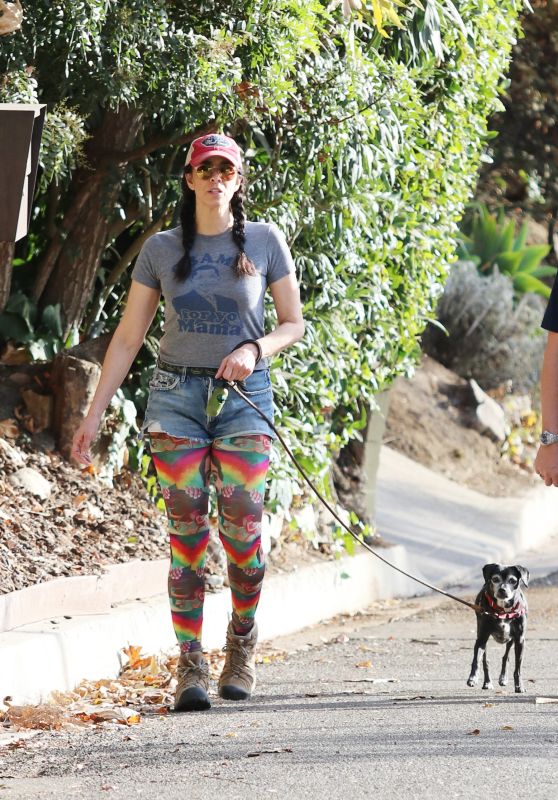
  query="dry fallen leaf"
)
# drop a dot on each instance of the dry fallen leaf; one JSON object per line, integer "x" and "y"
{"x": 475, "y": 732}
{"x": 124, "y": 716}
{"x": 9, "y": 428}
{"x": 488, "y": 705}
{"x": 364, "y": 664}
{"x": 133, "y": 654}
{"x": 43, "y": 717}
{"x": 507, "y": 728}
{"x": 154, "y": 699}
{"x": 17, "y": 744}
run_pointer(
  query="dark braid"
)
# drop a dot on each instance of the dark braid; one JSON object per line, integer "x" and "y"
{"x": 242, "y": 265}
{"x": 188, "y": 221}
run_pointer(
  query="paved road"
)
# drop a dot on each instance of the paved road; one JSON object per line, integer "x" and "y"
{"x": 367, "y": 706}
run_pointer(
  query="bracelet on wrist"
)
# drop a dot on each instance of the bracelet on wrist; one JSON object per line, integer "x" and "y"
{"x": 255, "y": 343}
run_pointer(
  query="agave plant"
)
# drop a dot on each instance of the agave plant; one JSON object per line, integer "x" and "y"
{"x": 491, "y": 243}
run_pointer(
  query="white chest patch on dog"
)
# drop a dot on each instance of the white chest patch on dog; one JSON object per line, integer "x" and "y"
{"x": 503, "y": 633}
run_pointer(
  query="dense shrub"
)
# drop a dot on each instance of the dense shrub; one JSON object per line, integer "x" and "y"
{"x": 491, "y": 335}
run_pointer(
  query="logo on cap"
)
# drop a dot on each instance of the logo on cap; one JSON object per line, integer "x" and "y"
{"x": 214, "y": 140}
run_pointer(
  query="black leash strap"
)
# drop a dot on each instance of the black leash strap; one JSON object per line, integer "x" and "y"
{"x": 338, "y": 518}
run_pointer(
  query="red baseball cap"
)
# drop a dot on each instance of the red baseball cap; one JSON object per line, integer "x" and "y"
{"x": 214, "y": 144}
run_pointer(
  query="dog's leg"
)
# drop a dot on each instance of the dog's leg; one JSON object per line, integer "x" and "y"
{"x": 503, "y": 679}
{"x": 487, "y": 682}
{"x": 519, "y": 644}
{"x": 480, "y": 645}
{"x": 474, "y": 676}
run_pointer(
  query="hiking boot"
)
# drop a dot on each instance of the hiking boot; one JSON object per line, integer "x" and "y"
{"x": 192, "y": 676}
{"x": 238, "y": 679}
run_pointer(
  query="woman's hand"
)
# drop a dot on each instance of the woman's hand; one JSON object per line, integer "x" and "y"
{"x": 239, "y": 364}
{"x": 82, "y": 440}
{"x": 546, "y": 464}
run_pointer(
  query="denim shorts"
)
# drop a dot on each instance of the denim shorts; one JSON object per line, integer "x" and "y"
{"x": 177, "y": 405}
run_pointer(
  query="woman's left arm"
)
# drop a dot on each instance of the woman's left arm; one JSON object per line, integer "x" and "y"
{"x": 290, "y": 328}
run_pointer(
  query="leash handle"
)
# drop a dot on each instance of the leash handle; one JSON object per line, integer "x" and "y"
{"x": 332, "y": 511}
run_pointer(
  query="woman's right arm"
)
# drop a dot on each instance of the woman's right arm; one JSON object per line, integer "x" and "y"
{"x": 546, "y": 462}
{"x": 127, "y": 339}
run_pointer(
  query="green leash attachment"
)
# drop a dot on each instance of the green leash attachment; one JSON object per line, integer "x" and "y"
{"x": 216, "y": 401}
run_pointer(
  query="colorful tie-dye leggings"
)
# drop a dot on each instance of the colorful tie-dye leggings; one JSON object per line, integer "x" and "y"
{"x": 185, "y": 468}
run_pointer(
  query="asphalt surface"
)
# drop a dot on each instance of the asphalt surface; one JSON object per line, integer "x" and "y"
{"x": 374, "y": 705}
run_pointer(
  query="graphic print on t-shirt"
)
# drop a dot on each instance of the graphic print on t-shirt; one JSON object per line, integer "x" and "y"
{"x": 202, "y": 309}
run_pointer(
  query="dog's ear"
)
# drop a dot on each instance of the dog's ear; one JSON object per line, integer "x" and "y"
{"x": 523, "y": 574}
{"x": 490, "y": 569}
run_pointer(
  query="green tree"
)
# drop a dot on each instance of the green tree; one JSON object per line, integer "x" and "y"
{"x": 522, "y": 168}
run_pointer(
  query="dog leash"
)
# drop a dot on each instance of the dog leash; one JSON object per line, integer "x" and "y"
{"x": 332, "y": 511}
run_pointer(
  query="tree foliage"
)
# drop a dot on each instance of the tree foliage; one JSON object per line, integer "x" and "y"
{"x": 522, "y": 167}
{"x": 362, "y": 147}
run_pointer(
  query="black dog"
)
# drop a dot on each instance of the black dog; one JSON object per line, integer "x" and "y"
{"x": 503, "y": 615}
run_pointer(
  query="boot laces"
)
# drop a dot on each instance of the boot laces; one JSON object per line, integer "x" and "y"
{"x": 192, "y": 670}
{"x": 238, "y": 657}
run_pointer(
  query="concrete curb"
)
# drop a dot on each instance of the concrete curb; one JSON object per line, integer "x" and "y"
{"x": 87, "y": 594}
{"x": 57, "y": 654}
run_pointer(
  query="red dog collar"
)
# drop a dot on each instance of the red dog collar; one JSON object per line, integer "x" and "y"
{"x": 517, "y": 611}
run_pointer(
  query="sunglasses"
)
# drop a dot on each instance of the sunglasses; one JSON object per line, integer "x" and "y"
{"x": 226, "y": 171}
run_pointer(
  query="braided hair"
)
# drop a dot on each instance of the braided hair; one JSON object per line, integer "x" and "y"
{"x": 242, "y": 265}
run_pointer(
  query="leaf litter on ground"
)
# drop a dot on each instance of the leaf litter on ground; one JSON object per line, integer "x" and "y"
{"x": 144, "y": 687}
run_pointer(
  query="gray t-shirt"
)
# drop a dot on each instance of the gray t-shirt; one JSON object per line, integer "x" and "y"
{"x": 212, "y": 310}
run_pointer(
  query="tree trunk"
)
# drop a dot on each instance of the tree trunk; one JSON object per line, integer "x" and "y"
{"x": 6, "y": 258}
{"x": 75, "y": 375}
{"x": 356, "y": 468}
{"x": 348, "y": 474}
{"x": 70, "y": 265}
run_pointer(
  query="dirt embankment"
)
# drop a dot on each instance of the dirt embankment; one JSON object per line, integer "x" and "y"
{"x": 430, "y": 420}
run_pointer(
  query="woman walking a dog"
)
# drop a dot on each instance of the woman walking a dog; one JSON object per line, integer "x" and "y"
{"x": 213, "y": 271}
